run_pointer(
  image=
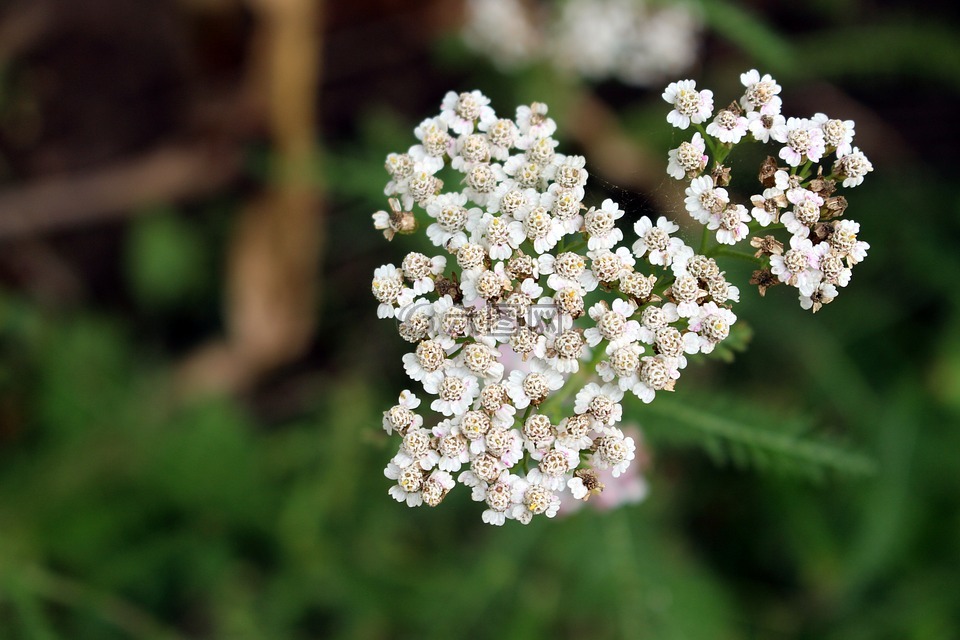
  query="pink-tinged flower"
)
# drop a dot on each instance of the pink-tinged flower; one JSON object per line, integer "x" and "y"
{"x": 803, "y": 140}
{"x": 712, "y": 325}
{"x": 798, "y": 265}
{"x": 452, "y": 447}
{"x": 689, "y": 105}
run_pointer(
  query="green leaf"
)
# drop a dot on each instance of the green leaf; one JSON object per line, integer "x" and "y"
{"x": 749, "y": 437}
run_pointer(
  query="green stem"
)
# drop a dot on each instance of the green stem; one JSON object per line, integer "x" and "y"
{"x": 732, "y": 253}
{"x": 704, "y": 240}
{"x": 708, "y": 140}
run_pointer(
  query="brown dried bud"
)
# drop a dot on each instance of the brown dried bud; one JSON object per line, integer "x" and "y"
{"x": 764, "y": 279}
{"x": 821, "y": 232}
{"x": 449, "y": 287}
{"x": 834, "y": 207}
{"x": 768, "y": 171}
{"x": 823, "y": 186}
{"x": 735, "y": 107}
{"x": 721, "y": 175}
{"x": 766, "y": 246}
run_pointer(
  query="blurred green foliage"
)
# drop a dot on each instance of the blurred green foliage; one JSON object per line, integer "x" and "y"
{"x": 126, "y": 513}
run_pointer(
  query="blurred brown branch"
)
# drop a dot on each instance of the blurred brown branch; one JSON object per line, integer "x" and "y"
{"x": 273, "y": 272}
{"x": 169, "y": 173}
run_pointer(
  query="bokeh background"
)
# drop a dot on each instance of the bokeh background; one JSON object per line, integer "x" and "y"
{"x": 192, "y": 373}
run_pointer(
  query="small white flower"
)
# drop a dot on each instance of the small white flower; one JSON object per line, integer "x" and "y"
{"x": 613, "y": 325}
{"x": 852, "y": 168}
{"x": 568, "y": 172}
{"x": 688, "y": 159}
{"x": 489, "y": 284}
{"x": 704, "y": 199}
{"x": 502, "y": 136}
{"x": 565, "y": 349}
{"x": 656, "y": 240}
{"x": 499, "y": 235}
{"x": 409, "y": 483}
{"x": 534, "y": 498}
{"x": 603, "y": 403}
{"x": 456, "y": 388}
{"x": 499, "y": 497}
{"x": 656, "y": 317}
{"x": 730, "y": 224}
{"x": 564, "y": 205}
{"x": 542, "y": 229}
{"x": 623, "y": 366}
{"x": 728, "y": 126}
{"x": 761, "y": 126}
{"x": 766, "y": 207}
{"x": 512, "y": 200}
{"x": 600, "y": 225}
{"x": 712, "y": 325}
{"x": 422, "y": 270}
{"x": 761, "y": 94}
{"x": 534, "y": 386}
{"x": 502, "y": 443}
{"x": 481, "y": 360}
{"x": 805, "y": 213}
{"x": 824, "y": 293}
{"x": 844, "y": 241}
{"x": 657, "y": 373}
{"x": 460, "y": 112}
{"x": 837, "y": 134}
{"x": 435, "y": 143}
{"x": 482, "y": 181}
{"x": 613, "y": 451}
{"x": 533, "y": 124}
{"x": 389, "y": 291}
{"x": 429, "y": 358}
{"x": 798, "y": 265}
{"x": 452, "y": 447}
{"x": 689, "y": 105}
{"x": 400, "y": 417}
{"x": 567, "y": 270}
{"x": 608, "y": 266}
{"x": 803, "y": 139}
{"x": 452, "y": 219}
{"x": 495, "y": 402}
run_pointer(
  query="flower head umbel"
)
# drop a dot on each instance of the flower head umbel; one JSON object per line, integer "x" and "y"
{"x": 535, "y": 324}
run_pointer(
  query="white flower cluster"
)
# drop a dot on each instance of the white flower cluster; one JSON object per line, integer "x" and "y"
{"x": 822, "y": 248}
{"x": 634, "y": 41}
{"x": 533, "y": 302}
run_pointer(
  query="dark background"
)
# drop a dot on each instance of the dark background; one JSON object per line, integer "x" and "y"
{"x": 192, "y": 373}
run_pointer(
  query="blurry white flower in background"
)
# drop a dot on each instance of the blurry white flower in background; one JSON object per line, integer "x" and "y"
{"x": 636, "y": 42}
